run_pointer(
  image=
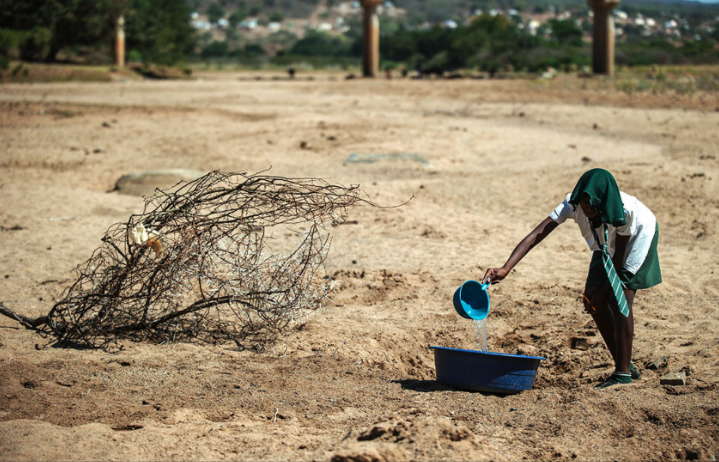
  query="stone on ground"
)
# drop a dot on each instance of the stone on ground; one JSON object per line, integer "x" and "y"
{"x": 145, "y": 183}
{"x": 674, "y": 378}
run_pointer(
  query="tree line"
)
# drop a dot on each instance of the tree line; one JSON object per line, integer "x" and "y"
{"x": 159, "y": 31}
{"x": 495, "y": 43}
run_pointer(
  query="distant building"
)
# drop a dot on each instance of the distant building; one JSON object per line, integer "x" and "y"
{"x": 450, "y": 24}
{"x": 620, "y": 14}
{"x": 202, "y": 25}
{"x": 222, "y": 22}
{"x": 274, "y": 26}
{"x": 533, "y": 26}
{"x": 249, "y": 24}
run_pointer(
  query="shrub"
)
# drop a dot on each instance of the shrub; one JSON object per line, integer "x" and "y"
{"x": 215, "y": 49}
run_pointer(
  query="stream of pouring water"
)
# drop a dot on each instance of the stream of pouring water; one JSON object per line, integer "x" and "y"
{"x": 480, "y": 329}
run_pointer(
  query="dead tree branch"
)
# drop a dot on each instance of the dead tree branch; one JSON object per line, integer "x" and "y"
{"x": 228, "y": 254}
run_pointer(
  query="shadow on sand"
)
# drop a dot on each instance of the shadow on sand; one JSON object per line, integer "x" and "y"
{"x": 430, "y": 386}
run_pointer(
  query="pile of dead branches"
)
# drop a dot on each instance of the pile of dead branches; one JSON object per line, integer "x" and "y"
{"x": 226, "y": 255}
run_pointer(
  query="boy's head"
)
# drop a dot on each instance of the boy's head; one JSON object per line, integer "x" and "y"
{"x": 597, "y": 193}
{"x": 589, "y": 210}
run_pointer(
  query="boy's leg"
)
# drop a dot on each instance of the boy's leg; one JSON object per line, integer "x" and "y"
{"x": 623, "y": 332}
{"x": 598, "y": 307}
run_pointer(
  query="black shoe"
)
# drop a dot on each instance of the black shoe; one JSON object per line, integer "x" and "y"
{"x": 636, "y": 375}
{"x": 617, "y": 378}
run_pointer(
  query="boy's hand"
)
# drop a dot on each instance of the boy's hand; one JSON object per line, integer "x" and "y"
{"x": 496, "y": 274}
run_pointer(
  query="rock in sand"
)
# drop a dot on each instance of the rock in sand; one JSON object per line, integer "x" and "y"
{"x": 144, "y": 183}
{"x": 657, "y": 364}
{"x": 674, "y": 378}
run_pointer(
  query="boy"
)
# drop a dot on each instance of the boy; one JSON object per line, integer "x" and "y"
{"x": 623, "y": 234}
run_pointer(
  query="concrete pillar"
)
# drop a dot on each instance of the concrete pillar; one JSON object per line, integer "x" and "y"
{"x": 120, "y": 42}
{"x": 603, "y": 36}
{"x": 370, "y": 42}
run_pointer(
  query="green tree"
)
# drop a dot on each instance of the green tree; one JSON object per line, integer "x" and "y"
{"x": 237, "y": 16}
{"x": 9, "y": 40}
{"x": 587, "y": 26}
{"x": 215, "y": 12}
{"x": 277, "y": 16}
{"x": 252, "y": 54}
{"x": 48, "y": 26}
{"x": 697, "y": 47}
{"x": 254, "y": 50}
{"x": 399, "y": 46}
{"x": 215, "y": 49}
{"x": 566, "y": 32}
{"x": 159, "y": 30}
{"x": 321, "y": 44}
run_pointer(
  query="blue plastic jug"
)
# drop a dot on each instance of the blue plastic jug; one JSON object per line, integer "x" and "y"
{"x": 471, "y": 300}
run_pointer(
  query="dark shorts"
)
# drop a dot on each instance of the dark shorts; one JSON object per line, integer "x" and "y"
{"x": 648, "y": 275}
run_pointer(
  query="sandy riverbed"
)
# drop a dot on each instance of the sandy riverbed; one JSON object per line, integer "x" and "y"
{"x": 498, "y": 157}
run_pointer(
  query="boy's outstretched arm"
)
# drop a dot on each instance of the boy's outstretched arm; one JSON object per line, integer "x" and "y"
{"x": 535, "y": 237}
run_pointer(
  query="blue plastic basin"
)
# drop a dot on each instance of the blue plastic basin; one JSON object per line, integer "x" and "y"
{"x": 490, "y": 372}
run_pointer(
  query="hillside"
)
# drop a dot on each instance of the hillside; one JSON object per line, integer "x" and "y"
{"x": 435, "y": 11}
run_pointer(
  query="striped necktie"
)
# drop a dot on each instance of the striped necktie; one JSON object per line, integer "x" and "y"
{"x": 617, "y": 286}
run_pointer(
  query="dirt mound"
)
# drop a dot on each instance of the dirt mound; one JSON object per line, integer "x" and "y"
{"x": 372, "y": 452}
{"x": 370, "y": 287}
{"x": 414, "y": 439}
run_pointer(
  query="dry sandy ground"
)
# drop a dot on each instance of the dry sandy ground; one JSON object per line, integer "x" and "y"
{"x": 357, "y": 382}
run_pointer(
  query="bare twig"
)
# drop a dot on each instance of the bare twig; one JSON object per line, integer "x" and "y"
{"x": 24, "y": 320}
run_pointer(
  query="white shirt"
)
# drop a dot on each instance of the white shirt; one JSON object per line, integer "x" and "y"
{"x": 641, "y": 226}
